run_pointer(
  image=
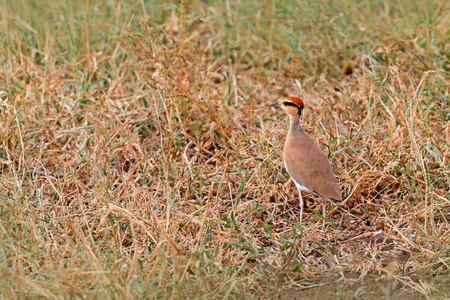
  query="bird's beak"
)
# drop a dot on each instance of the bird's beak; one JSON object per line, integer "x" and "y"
{"x": 273, "y": 104}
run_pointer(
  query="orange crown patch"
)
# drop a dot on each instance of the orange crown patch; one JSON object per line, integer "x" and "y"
{"x": 295, "y": 100}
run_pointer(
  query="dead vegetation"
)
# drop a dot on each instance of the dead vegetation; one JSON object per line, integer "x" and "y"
{"x": 152, "y": 168}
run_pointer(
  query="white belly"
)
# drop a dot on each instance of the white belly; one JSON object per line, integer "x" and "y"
{"x": 298, "y": 185}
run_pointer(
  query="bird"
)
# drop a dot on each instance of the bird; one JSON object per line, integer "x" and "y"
{"x": 305, "y": 162}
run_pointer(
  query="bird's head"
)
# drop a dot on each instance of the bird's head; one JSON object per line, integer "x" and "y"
{"x": 291, "y": 105}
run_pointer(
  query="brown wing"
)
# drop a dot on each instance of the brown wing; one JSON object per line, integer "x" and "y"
{"x": 309, "y": 166}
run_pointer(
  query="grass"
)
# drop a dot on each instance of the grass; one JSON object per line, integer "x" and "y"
{"x": 139, "y": 158}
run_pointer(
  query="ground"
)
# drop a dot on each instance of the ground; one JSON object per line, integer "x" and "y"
{"x": 139, "y": 157}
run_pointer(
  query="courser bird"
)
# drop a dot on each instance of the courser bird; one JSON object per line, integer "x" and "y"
{"x": 305, "y": 162}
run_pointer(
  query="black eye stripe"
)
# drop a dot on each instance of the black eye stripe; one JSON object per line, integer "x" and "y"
{"x": 286, "y": 103}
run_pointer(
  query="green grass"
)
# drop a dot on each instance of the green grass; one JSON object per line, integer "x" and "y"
{"x": 139, "y": 158}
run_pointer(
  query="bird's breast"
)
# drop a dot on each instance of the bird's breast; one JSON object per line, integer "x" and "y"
{"x": 299, "y": 186}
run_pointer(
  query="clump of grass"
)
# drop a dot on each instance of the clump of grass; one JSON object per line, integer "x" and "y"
{"x": 148, "y": 164}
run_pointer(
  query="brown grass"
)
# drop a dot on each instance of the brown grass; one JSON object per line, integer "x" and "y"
{"x": 152, "y": 168}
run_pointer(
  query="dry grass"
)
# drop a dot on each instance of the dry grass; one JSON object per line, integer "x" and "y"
{"x": 141, "y": 160}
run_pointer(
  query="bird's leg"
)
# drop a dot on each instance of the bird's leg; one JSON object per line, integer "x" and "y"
{"x": 324, "y": 209}
{"x": 301, "y": 205}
